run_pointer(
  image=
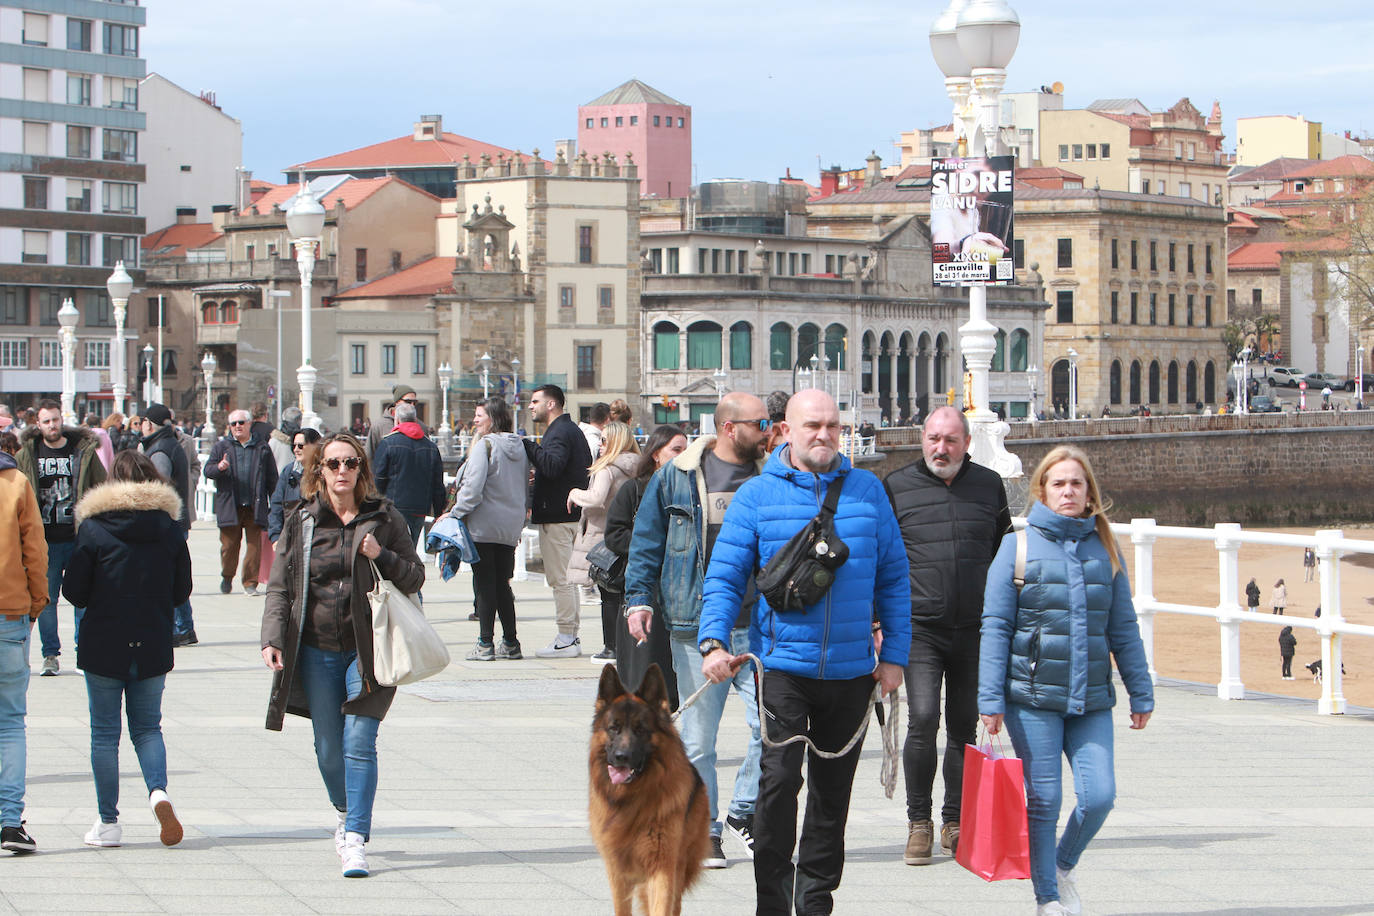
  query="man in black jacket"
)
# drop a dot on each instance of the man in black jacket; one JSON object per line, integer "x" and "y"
{"x": 164, "y": 450}
{"x": 410, "y": 471}
{"x": 953, "y": 514}
{"x": 245, "y": 476}
{"x": 560, "y": 459}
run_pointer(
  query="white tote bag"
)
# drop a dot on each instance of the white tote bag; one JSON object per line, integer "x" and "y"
{"x": 405, "y": 648}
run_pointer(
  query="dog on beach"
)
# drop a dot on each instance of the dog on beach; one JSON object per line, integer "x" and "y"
{"x": 647, "y": 806}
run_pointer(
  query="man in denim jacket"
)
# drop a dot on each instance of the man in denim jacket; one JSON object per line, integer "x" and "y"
{"x": 675, "y": 528}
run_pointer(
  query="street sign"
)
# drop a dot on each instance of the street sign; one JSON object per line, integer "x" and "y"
{"x": 1302, "y": 386}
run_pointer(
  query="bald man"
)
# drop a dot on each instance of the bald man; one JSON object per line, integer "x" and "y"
{"x": 820, "y": 663}
{"x": 668, "y": 557}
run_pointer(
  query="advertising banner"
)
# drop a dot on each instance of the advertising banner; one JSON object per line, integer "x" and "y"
{"x": 971, "y": 220}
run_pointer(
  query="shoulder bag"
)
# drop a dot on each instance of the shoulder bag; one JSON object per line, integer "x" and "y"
{"x": 802, "y": 571}
{"x": 405, "y": 647}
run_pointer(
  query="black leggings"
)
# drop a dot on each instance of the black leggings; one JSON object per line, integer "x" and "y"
{"x": 610, "y": 613}
{"x": 491, "y": 590}
{"x": 1287, "y": 666}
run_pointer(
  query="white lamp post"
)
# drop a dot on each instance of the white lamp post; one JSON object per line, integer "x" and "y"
{"x": 1359, "y": 377}
{"x": 972, "y": 42}
{"x": 515, "y": 370}
{"x": 1033, "y": 377}
{"x": 148, "y": 383}
{"x": 720, "y": 377}
{"x": 485, "y": 360}
{"x": 281, "y": 295}
{"x": 119, "y": 286}
{"x": 445, "y": 372}
{"x": 1244, "y": 397}
{"x": 305, "y": 225}
{"x": 207, "y": 366}
{"x": 67, "y": 317}
{"x": 1073, "y": 384}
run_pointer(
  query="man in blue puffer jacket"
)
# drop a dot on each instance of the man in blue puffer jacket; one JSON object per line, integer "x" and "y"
{"x": 819, "y": 662}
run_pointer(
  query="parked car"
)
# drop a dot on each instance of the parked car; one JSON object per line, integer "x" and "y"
{"x": 1368, "y": 383}
{"x": 1263, "y": 403}
{"x": 1316, "y": 381}
{"x": 1287, "y": 376}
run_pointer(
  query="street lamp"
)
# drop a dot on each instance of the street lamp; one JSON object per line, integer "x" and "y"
{"x": 1243, "y": 399}
{"x": 281, "y": 295}
{"x": 67, "y": 317}
{"x": 720, "y": 378}
{"x": 1033, "y": 377}
{"x": 485, "y": 361}
{"x": 445, "y": 372}
{"x": 1359, "y": 376}
{"x": 147, "y": 376}
{"x": 207, "y": 366}
{"x": 515, "y": 370}
{"x": 119, "y": 286}
{"x": 972, "y": 42}
{"x": 305, "y": 225}
{"x": 1073, "y": 384}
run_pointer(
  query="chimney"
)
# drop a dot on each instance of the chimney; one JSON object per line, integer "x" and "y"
{"x": 218, "y": 213}
{"x": 429, "y": 127}
{"x": 830, "y": 181}
{"x": 874, "y": 173}
{"x": 186, "y": 215}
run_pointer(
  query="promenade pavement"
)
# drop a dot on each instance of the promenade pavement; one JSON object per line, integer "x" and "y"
{"x": 1249, "y": 807}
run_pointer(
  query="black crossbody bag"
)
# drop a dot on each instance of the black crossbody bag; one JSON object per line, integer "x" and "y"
{"x": 802, "y": 572}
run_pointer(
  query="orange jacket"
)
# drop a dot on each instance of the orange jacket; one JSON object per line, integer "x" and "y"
{"x": 22, "y": 546}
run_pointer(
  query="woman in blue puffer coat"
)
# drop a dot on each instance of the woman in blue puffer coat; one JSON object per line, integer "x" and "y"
{"x": 1045, "y": 664}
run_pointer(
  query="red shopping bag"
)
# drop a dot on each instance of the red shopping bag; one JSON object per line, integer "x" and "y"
{"x": 994, "y": 842}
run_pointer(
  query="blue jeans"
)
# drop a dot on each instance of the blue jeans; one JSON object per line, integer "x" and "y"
{"x": 345, "y": 745}
{"x": 1040, "y": 737}
{"x": 59, "y": 553}
{"x": 701, "y": 721}
{"x": 14, "y": 689}
{"x": 143, "y": 706}
{"x": 181, "y": 614}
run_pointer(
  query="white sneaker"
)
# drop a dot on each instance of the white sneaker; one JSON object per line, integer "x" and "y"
{"x": 561, "y": 647}
{"x": 103, "y": 834}
{"x": 1068, "y": 890}
{"x": 1053, "y": 908}
{"x": 340, "y": 834}
{"x": 354, "y": 856}
{"x": 171, "y": 832}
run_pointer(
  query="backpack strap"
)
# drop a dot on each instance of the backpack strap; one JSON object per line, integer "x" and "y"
{"x": 1018, "y": 576}
{"x": 832, "y": 496}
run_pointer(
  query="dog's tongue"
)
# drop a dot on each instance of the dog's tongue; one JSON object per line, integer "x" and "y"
{"x": 619, "y": 775}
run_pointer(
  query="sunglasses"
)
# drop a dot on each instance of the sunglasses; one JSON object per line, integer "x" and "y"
{"x": 238, "y": 422}
{"x": 351, "y": 463}
{"x": 296, "y": 445}
{"x": 411, "y": 401}
{"x": 763, "y": 424}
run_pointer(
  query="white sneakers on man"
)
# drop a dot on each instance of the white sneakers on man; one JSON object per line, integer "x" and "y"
{"x": 103, "y": 834}
{"x": 563, "y": 646}
{"x": 354, "y": 856}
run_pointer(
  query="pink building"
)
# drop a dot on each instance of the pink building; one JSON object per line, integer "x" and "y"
{"x": 654, "y": 128}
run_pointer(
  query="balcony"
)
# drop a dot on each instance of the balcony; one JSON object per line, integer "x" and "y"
{"x": 210, "y": 334}
{"x": 281, "y": 269}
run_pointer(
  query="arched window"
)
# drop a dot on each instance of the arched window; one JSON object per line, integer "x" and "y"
{"x": 780, "y": 346}
{"x": 941, "y": 363}
{"x": 1209, "y": 383}
{"x": 209, "y": 313}
{"x": 1114, "y": 382}
{"x": 229, "y": 312}
{"x": 999, "y": 355}
{"x": 1173, "y": 381}
{"x": 1154, "y": 382}
{"x": 741, "y": 345}
{"x": 1020, "y": 350}
{"x": 835, "y": 346}
{"x": 1135, "y": 382}
{"x": 808, "y": 343}
{"x": 665, "y": 345}
{"x": 1059, "y": 384}
{"x": 703, "y": 345}
{"x": 866, "y": 364}
{"x": 1190, "y": 383}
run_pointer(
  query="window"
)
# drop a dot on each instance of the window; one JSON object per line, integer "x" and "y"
{"x": 702, "y": 254}
{"x": 1115, "y": 255}
{"x": 120, "y": 145}
{"x": 120, "y": 248}
{"x": 674, "y": 261}
{"x": 619, "y": 122}
{"x": 605, "y": 297}
{"x": 96, "y": 308}
{"x": 419, "y": 359}
{"x": 729, "y": 260}
{"x": 656, "y": 124}
{"x": 35, "y": 193}
{"x": 1192, "y": 151}
{"x": 1178, "y": 149}
{"x": 703, "y": 345}
{"x": 78, "y": 34}
{"x": 14, "y": 354}
{"x": 605, "y": 122}
{"x": 78, "y": 89}
{"x": 1154, "y": 382}
{"x": 1065, "y": 253}
{"x": 14, "y": 305}
{"x": 1173, "y": 382}
{"x": 78, "y": 143}
{"x": 1154, "y": 256}
{"x": 586, "y": 244}
{"x": 780, "y": 346}
{"x": 1154, "y": 303}
{"x": 741, "y": 345}
{"x": 1077, "y": 152}
{"x": 78, "y": 249}
{"x": 35, "y": 30}
{"x": 715, "y": 260}
{"x": 97, "y": 354}
{"x": 1018, "y": 253}
{"x": 1135, "y": 382}
{"x": 1135, "y": 308}
{"x": 1064, "y": 306}
{"x": 119, "y": 197}
{"x": 388, "y": 359}
{"x": 1207, "y": 313}
{"x": 1063, "y": 152}
{"x": 357, "y": 358}
{"x": 120, "y": 39}
{"x": 36, "y": 83}
{"x": 154, "y": 307}
{"x": 360, "y": 264}
{"x": 634, "y": 120}
{"x": 395, "y": 257}
{"x": 229, "y": 311}
{"x": 1189, "y": 302}
{"x": 35, "y": 138}
{"x": 805, "y": 263}
{"x": 35, "y": 247}
{"x": 169, "y": 362}
{"x": 665, "y": 345}
{"x": 1173, "y": 261}
{"x": 1172, "y": 299}
{"x": 1020, "y": 350}
{"x": 1145, "y": 186}
{"x": 1092, "y": 150}
{"x": 999, "y": 353}
{"x": 1191, "y": 263}
{"x": 566, "y": 299}
{"x": 1114, "y": 382}
{"x": 209, "y": 313}
{"x": 680, "y": 122}
{"x": 1116, "y": 305}
{"x": 792, "y": 263}
{"x": 49, "y": 354}
{"x": 1135, "y": 255}
{"x": 589, "y": 123}
{"x": 1207, "y": 259}
{"x": 586, "y": 367}
{"x": 121, "y": 93}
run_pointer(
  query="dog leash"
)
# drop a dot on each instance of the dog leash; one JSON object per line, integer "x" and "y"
{"x": 887, "y": 726}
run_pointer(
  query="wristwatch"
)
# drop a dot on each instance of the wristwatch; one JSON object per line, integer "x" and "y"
{"x": 707, "y": 646}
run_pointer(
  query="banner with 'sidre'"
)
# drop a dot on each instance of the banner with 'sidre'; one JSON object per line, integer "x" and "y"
{"x": 971, "y": 220}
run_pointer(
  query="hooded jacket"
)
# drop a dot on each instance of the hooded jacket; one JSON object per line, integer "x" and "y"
{"x": 493, "y": 487}
{"x": 1049, "y": 646}
{"x": 1288, "y": 643}
{"x": 410, "y": 471}
{"x": 167, "y": 455}
{"x": 129, "y": 569}
{"x": 90, "y": 472}
{"x": 596, "y": 502}
{"x": 284, "y": 498}
{"x": 561, "y": 459}
{"x": 23, "y": 549}
{"x": 833, "y": 638}
{"x": 262, "y": 476}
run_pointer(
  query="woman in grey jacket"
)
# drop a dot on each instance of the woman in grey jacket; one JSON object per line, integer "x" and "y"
{"x": 491, "y": 501}
{"x": 1045, "y": 664}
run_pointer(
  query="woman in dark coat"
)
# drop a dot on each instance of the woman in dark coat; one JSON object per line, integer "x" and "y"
{"x": 288, "y": 490}
{"x": 129, "y": 569}
{"x": 319, "y": 640}
{"x": 1252, "y": 596}
{"x": 1288, "y": 645}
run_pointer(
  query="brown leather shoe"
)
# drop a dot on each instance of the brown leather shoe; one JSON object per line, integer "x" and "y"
{"x": 949, "y": 837}
{"x": 919, "y": 836}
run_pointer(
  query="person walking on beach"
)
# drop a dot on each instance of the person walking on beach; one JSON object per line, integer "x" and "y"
{"x": 1278, "y": 599}
{"x": 1288, "y": 646}
{"x": 1309, "y": 564}
{"x": 1252, "y": 596}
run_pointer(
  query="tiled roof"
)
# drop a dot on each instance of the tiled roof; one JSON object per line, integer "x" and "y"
{"x": 177, "y": 239}
{"x": 1134, "y": 121}
{"x": 1114, "y": 105}
{"x": 1260, "y": 213}
{"x": 432, "y": 276}
{"x": 1340, "y": 167}
{"x": 634, "y": 92}
{"x": 1273, "y": 170}
{"x": 407, "y": 152}
{"x": 1045, "y": 171}
{"x": 1257, "y": 256}
{"x": 1242, "y": 221}
{"x": 353, "y": 191}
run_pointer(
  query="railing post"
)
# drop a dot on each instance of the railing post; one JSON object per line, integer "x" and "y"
{"x": 1143, "y": 537}
{"x": 1230, "y": 686}
{"x": 1332, "y": 702}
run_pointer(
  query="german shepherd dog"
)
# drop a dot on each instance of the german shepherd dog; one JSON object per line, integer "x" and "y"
{"x": 648, "y": 806}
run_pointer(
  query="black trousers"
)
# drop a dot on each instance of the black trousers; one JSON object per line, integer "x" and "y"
{"x": 611, "y": 604}
{"x": 491, "y": 590}
{"x": 1287, "y": 665}
{"x": 949, "y": 655}
{"x": 829, "y": 712}
{"x": 633, "y": 660}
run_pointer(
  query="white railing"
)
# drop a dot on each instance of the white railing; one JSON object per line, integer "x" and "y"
{"x": 1330, "y": 546}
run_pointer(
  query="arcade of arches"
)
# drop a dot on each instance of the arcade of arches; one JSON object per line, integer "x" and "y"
{"x": 1152, "y": 383}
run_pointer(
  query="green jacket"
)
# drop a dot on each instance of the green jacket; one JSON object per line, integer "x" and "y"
{"x": 90, "y": 472}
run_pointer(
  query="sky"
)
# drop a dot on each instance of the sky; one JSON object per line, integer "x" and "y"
{"x": 773, "y": 86}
